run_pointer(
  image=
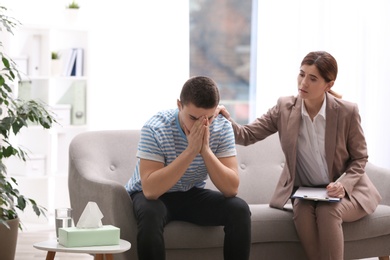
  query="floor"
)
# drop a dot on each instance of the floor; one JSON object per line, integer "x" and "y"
{"x": 34, "y": 233}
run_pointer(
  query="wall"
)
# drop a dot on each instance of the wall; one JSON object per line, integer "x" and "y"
{"x": 139, "y": 61}
{"x": 138, "y": 54}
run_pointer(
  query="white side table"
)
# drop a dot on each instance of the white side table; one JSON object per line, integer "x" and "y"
{"x": 52, "y": 246}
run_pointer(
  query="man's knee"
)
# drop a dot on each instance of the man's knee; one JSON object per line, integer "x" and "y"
{"x": 239, "y": 209}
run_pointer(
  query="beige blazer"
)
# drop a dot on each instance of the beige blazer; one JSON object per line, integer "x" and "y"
{"x": 345, "y": 147}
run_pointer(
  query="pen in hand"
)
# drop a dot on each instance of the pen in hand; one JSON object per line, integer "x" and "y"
{"x": 341, "y": 176}
{"x": 334, "y": 189}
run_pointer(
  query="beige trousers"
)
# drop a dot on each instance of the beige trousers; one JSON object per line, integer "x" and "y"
{"x": 319, "y": 226}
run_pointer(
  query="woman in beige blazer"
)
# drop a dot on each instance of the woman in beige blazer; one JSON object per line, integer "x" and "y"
{"x": 322, "y": 138}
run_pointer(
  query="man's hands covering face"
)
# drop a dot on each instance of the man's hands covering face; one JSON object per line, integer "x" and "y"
{"x": 199, "y": 135}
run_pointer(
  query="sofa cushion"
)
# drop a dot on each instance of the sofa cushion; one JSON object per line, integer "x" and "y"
{"x": 277, "y": 225}
{"x": 182, "y": 235}
{"x": 271, "y": 225}
{"x": 268, "y": 225}
{"x": 374, "y": 225}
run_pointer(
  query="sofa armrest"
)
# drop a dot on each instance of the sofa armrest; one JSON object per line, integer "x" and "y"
{"x": 111, "y": 197}
{"x": 381, "y": 178}
{"x": 86, "y": 183}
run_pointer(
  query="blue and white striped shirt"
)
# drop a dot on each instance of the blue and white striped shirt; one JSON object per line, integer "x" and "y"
{"x": 163, "y": 140}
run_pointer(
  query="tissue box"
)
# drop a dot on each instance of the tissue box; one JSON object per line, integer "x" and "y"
{"x": 76, "y": 237}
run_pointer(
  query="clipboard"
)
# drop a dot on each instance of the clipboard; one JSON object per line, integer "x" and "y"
{"x": 312, "y": 193}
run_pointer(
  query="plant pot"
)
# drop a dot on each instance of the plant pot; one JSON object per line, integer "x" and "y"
{"x": 8, "y": 239}
{"x": 56, "y": 67}
{"x": 71, "y": 16}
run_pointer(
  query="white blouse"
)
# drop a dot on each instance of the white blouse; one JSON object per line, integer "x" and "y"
{"x": 311, "y": 168}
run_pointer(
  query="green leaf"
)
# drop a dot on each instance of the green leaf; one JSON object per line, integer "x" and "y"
{"x": 9, "y": 151}
{"x": 5, "y": 62}
{"x": 18, "y": 124}
{"x": 36, "y": 210}
{"x": 21, "y": 203}
{"x": 12, "y": 74}
{"x": 7, "y": 88}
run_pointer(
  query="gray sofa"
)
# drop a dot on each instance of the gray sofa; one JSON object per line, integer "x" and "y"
{"x": 101, "y": 162}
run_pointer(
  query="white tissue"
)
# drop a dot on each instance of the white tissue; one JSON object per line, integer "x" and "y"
{"x": 91, "y": 216}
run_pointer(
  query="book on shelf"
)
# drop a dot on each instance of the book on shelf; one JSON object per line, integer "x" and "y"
{"x": 79, "y": 62}
{"x": 68, "y": 56}
{"x": 73, "y": 62}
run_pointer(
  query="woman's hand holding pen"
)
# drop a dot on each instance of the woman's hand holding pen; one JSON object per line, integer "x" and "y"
{"x": 336, "y": 189}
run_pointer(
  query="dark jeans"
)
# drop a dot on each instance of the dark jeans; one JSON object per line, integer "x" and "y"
{"x": 199, "y": 206}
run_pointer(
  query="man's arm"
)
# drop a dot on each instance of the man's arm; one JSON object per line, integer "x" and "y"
{"x": 223, "y": 173}
{"x": 157, "y": 179}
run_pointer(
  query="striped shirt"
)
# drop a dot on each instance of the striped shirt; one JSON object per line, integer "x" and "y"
{"x": 163, "y": 140}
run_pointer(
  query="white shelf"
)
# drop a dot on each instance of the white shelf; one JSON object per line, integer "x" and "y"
{"x": 31, "y": 46}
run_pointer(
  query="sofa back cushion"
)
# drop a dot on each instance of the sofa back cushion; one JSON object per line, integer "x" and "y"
{"x": 111, "y": 154}
{"x": 260, "y": 166}
{"x": 108, "y": 154}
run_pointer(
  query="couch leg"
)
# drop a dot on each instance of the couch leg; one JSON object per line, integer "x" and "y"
{"x": 384, "y": 257}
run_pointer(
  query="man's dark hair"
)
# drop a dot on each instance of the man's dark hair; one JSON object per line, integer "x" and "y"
{"x": 201, "y": 91}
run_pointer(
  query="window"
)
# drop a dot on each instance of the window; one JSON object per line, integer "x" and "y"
{"x": 221, "y": 44}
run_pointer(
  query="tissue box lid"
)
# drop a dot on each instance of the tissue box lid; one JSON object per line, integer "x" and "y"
{"x": 76, "y": 237}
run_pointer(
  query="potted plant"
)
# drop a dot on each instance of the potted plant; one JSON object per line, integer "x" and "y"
{"x": 72, "y": 12}
{"x": 55, "y": 55}
{"x": 15, "y": 114}
{"x": 73, "y": 5}
{"x": 55, "y": 63}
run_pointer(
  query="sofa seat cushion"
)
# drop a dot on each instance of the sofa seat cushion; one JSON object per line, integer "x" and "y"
{"x": 270, "y": 225}
{"x": 277, "y": 225}
{"x": 184, "y": 235}
{"x": 374, "y": 225}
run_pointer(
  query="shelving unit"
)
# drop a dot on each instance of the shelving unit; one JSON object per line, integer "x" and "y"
{"x": 44, "y": 176}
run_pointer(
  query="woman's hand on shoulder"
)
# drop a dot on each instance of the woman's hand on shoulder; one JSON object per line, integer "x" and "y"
{"x": 221, "y": 109}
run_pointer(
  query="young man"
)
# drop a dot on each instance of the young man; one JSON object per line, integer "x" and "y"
{"x": 179, "y": 149}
